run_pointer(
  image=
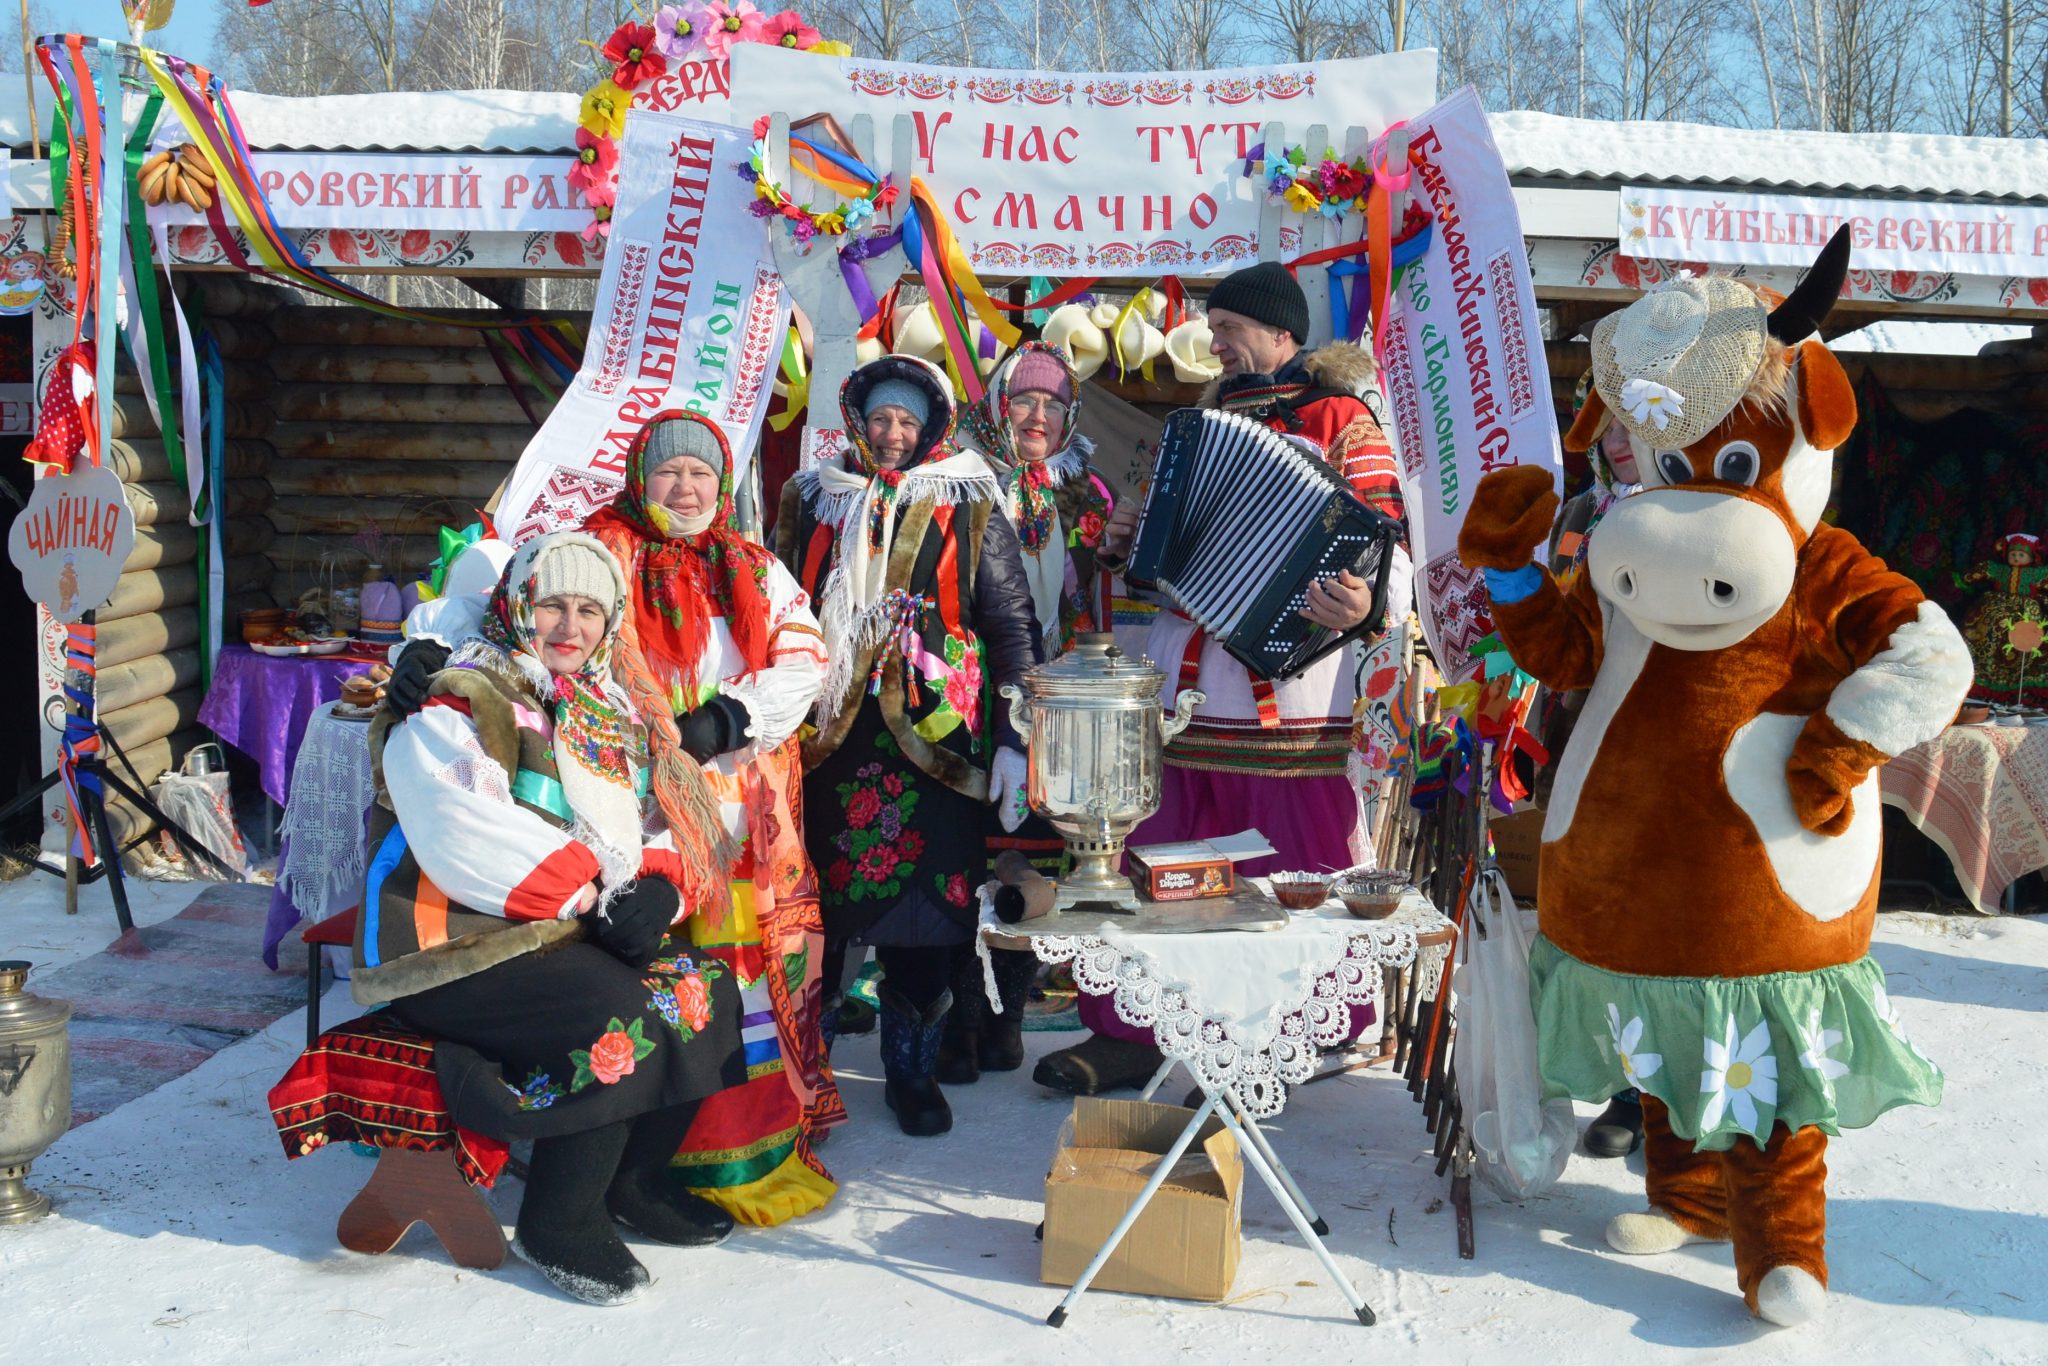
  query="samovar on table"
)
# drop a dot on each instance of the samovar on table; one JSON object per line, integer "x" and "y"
{"x": 1095, "y": 730}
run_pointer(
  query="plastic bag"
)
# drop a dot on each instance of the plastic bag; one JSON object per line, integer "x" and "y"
{"x": 1522, "y": 1140}
{"x": 197, "y": 799}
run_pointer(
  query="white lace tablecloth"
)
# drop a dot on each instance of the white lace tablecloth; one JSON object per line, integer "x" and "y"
{"x": 1244, "y": 1010}
{"x": 321, "y": 869}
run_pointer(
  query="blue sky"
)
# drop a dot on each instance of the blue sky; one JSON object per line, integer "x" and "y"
{"x": 190, "y": 32}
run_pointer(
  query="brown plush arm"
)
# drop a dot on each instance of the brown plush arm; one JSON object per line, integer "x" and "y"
{"x": 1511, "y": 513}
{"x": 1554, "y": 636}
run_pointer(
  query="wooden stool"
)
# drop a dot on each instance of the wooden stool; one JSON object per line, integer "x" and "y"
{"x": 373, "y": 1081}
{"x": 413, "y": 1187}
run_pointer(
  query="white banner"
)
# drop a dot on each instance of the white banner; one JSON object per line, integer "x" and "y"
{"x": 1464, "y": 365}
{"x": 1063, "y": 173}
{"x": 1713, "y": 228}
{"x": 690, "y": 313}
{"x": 473, "y": 192}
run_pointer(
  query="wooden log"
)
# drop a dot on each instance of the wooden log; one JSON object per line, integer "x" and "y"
{"x": 443, "y": 404}
{"x": 241, "y": 339}
{"x": 151, "y": 676}
{"x": 294, "y": 554}
{"x": 359, "y": 327}
{"x": 132, "y": 417}
{"x": 156, "y": 504}
{"x": 232, "y": 296}
{"x": 327, "y": 514}
{"x": 386, "y": 365}
{"x": 155, "y": 590}
{"x": 247, "y": 600}
{"x": 154, "y": 718}
{"x": 462, "y": 481}
{"x": 152, "y": 590}
{"x": 144, "y": 460}
{"x": 157, "y": 547}
{"x": 367, "y": 440}
{"x": 149, "y": 634}
{"x": 247, "y": 535}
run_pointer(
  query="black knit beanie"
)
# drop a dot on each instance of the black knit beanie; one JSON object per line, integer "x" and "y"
{"x": 1265, "y": 293}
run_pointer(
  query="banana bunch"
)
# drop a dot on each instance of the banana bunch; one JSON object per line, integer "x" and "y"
{"x": 179, "y": 174}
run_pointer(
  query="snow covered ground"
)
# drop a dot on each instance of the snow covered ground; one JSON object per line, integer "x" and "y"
{"x": 182, "y": 1234}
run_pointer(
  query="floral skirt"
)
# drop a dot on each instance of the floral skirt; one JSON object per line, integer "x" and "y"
{"x": 1729, "y": 1056}
{"x": 899, "y": 854}
{"x": 571, "y": 1039}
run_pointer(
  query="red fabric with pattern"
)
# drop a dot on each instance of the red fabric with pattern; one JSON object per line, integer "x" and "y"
{"x": 372, "y": 1081}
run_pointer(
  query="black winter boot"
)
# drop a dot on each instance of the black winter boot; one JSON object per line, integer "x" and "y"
{"x": 1618, "y": 1130}
{"x": 1096, "y": 1064}
{"x": 647, "y": 1199}
{"x": 960, "y": 1042}
{"x": 1001, "y": 1046}
{"x": 910, "y": 1054}
{"x": 563, "y": 1229}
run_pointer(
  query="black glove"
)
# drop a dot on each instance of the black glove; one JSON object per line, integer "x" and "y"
{"x": 632, "y": 927}
{"x": 406, "y": 692}
{"x": 715, "y": 728}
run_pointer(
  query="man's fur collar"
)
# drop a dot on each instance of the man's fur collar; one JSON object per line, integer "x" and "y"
{"x": 1340, "y": 365}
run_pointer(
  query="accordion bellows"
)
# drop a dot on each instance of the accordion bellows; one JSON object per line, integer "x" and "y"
{"x": 1238, "y": 522}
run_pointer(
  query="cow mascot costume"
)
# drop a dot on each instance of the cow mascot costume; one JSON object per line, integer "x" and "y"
{"x": 1710, "y": 853}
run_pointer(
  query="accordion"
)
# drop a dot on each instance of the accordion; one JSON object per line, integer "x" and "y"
{"x": 1237, "y": 524}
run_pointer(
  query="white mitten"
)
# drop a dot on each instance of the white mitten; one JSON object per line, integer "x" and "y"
{"x": 1006, "y": 788}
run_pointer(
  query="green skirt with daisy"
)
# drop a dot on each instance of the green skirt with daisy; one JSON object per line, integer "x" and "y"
{"x": 1730, "y": 1057}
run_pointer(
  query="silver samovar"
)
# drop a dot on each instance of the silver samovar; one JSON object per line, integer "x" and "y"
{"x": 35, "y": 1089}
{"x": 1095, "y": 730}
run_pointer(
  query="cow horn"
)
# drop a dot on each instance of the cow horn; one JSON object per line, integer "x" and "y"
{"x": 1808, "y": 306}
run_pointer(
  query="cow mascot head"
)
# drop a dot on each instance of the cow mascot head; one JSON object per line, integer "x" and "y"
{"x": 1711, "y": 848}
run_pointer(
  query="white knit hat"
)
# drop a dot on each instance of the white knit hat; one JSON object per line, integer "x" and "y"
{"x": 568, "y": 562}
{"x": 1675, "y": 362}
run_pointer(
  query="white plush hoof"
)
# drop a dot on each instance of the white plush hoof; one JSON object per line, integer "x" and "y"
{"x": 1645, "y": 1235}
{"x": 1788, "y": 1296}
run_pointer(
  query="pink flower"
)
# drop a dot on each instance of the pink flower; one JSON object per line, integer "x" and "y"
{"x": 729, "y": 24}
{"x": 611, "y": 1057}
{"x": 788, "y": 29}
{"x": 693, "y": 1002}
{"x": 599, "y": 198}
{"x": 630, "y": 49}
{"x": 597, "y": 160}
{"x": 963, "y": 690}
{"x": 679, "y": 30}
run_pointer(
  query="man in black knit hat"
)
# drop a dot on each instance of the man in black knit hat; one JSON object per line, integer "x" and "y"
{"x": 1257, "y": 753}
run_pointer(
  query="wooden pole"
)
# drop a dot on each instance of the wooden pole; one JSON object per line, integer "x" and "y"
{"x": 28, "y": 79}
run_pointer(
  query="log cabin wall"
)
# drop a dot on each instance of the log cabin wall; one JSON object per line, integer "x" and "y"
{"x": 148, "y": 685}
{"x": 409, "y": 425}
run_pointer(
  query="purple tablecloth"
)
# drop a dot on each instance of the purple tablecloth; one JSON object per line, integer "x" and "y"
{"x": 260, "y": 703}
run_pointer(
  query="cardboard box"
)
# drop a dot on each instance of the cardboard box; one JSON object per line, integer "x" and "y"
{"x": 1182, "y": 872}
{"x": 1185, "y": 1244}
{"x": 1517, "y": 842}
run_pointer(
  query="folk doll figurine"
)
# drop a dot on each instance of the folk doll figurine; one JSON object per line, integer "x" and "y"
{"x": 922, "y": 595}
{"x": 1710, "y": 855}
{"x": 1027, "y": 427}
{"x": 2017, "y": 582}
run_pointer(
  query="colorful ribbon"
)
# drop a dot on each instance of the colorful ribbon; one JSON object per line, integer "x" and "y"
{"x": 951, "y": 284}
{"x": 796, "y": 381}
{"x": 81, "y": 741}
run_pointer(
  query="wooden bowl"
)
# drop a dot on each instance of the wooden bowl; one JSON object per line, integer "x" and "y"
{"x": 1973, "y": 714}
{"x": 1301, "y": 891}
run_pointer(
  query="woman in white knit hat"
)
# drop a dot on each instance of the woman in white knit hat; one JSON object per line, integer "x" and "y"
{"x": 506, "y": 916}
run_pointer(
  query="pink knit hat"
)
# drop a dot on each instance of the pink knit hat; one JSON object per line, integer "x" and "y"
{"x": 1038, "y": 372}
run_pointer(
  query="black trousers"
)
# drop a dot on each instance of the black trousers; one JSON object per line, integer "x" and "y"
{"x": 919, "y": 975}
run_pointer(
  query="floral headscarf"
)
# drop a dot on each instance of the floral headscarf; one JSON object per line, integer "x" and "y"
{"x": 594, "y": 746}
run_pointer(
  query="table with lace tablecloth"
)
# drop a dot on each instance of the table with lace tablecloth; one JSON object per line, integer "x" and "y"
{"x": 1981, "y": 794}
{"x": 1246, "y": 1012}
{"x": 321, "y": 851}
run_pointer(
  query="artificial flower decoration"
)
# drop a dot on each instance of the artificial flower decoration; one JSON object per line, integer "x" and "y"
{"x": 831, "y": 224}
{"x": 599, "y": 199}
{"x": 604, "y": 109}
{"x": 831, "y": 47}
{"x": 729, "y": 24}
{"x": 633, "y": 56}
{"x": 1651, "y": 402}
{"x": 679, "y": 30}
{"x": 788, "y": 29}
{"x": 1301, "y": 198}
{"x": 597, "y": 160}
{"x": 1328, "y": 186}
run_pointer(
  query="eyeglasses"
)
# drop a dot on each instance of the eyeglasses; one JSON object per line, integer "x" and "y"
{"x": 1037, "y": 405}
